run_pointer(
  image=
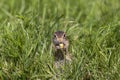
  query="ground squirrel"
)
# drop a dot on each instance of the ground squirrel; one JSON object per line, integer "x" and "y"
{"x": 60, "y": 46}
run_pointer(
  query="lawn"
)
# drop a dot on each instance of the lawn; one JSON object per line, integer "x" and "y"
{"x": 27, "y": 27}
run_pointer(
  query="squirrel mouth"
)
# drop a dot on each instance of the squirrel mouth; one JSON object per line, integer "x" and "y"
{"x": 60, "y": 46}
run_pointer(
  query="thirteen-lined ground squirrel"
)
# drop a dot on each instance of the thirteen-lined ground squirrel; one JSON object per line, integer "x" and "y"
{"x": 60, "y": 46}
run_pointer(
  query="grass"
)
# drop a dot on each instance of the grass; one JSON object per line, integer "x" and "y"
{"x": 26, "y": 28}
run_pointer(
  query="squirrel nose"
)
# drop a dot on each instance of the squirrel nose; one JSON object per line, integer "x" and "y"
{"x": 60, "y": 39}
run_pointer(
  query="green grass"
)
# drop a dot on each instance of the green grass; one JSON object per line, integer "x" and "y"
{"x": 26, "y": 28}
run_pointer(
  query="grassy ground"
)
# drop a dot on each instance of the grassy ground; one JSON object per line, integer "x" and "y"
{"x": 26, "y": 28}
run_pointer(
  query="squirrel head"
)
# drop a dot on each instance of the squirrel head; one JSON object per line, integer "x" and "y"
{"x": 59, "y": 39}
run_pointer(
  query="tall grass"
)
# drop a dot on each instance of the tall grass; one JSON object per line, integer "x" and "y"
{"x": 27, "y": 26}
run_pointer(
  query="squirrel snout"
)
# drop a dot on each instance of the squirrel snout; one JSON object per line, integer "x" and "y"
{"x": 60, "y": 40}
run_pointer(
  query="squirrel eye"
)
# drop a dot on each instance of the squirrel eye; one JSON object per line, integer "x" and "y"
{"x": 64, "y": 35}
{"x": 54, "y": 35}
